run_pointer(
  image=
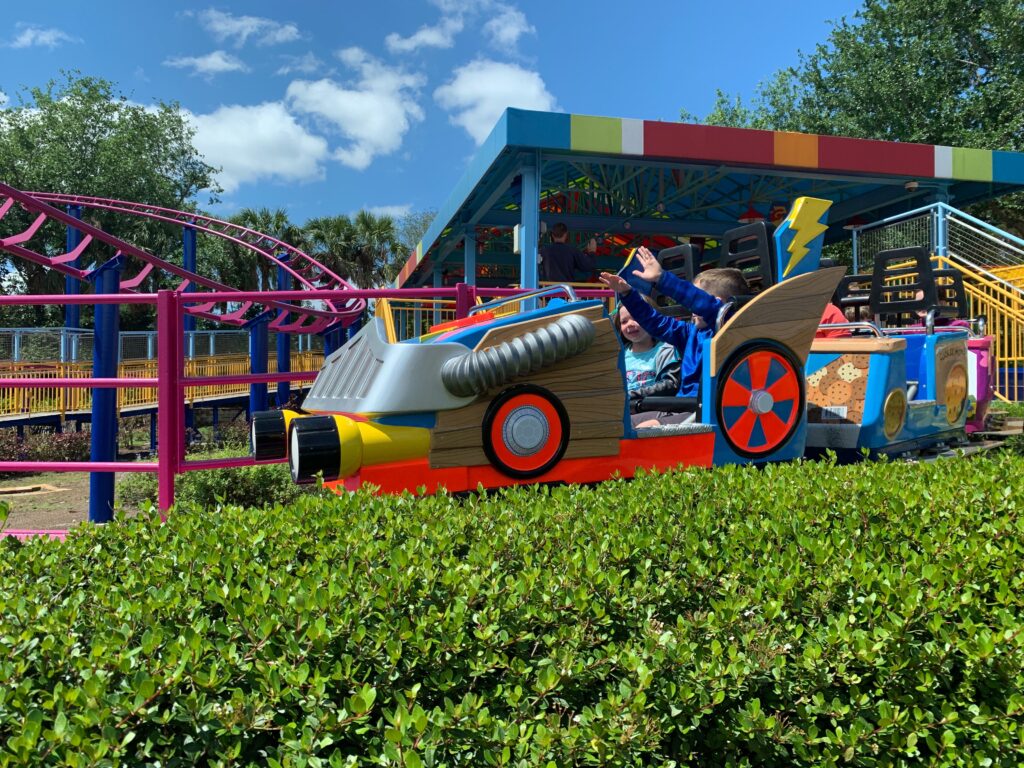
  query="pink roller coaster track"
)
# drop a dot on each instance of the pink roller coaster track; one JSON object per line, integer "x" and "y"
{"x": 308, "y": 273}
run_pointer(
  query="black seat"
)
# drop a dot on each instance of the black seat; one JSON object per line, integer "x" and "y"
{"x": 681, "y": 261}
{"x": 854, "y": 291}
{"x": 952, "y": 298}
{"x": 750, "y": 250}
{"x": 898, "y": 276}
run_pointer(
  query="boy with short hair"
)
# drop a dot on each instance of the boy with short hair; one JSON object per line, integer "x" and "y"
{"x": 704, "y": 297}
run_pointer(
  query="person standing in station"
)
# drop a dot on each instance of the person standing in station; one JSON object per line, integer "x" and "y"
{"x": 559, "y": 261}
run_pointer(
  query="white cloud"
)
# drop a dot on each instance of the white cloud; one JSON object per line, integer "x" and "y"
{"x": 394, "y": 211}
{"x": 505, "y": 29}
{"x": 211, "y": 64}
{"x": 481, "y": 90}
{"x": 30, "y": 35}
{"x": 305, "y": 65}
{"x": 441, "y": 35}
{"x": 257, "y": 143}
{"x": 374, "y": 113}
{"x": 224, "y": 26}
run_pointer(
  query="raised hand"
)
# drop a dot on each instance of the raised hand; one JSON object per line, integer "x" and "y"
{"x": 651, "y": 268}
{"x": 614, "y": 282}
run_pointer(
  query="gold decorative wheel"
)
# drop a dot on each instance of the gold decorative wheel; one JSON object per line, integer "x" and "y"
{"x": 894, "y": 412}
{"x": 956, "y": 393}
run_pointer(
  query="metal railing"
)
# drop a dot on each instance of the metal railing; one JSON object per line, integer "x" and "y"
{"x": 992, "y": 265}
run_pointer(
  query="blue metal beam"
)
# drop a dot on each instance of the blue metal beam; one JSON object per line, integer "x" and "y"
{"x": 106, "y": 344}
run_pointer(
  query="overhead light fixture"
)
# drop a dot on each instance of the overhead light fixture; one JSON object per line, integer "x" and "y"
{"x": 911, "y": 186}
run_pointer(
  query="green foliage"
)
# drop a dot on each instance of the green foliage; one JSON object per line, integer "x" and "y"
{"x": 364, "y": 249}
{"x": 259, "y": 486}
{"x": 805, "y": 614}
{"x": 947, "y": 72}
{"x": 411, "y": 229}
{"x": 81, "y": 136}
{"x": 42, "y": 444}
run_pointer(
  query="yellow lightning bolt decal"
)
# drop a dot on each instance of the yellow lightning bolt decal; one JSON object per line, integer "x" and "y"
{"x": 805, "y": 221}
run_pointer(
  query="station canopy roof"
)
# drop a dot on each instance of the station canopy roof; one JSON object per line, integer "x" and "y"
{"x": 626, "y": 181}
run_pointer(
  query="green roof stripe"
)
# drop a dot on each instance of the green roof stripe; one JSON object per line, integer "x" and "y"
{"x": 596, "y": 134}
{"x": 972, "y": 164}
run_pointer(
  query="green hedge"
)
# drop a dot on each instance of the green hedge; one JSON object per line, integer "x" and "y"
{"x": 797, "y": 615}
{"x": 259, "y": 486}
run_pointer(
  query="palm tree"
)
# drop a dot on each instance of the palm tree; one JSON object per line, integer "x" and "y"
{"x": 274, "y": 223}
{"x": 378, "y": 247}
{"x": 332, "y": 241}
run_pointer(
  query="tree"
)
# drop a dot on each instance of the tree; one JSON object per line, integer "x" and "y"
{"x": 365, "y": 250}
{"x": 332, "y": 241}
{"x": 249, "y": 269}
{"x": 81, "y": 136}
{"x": 378, "y": 251}
{"x": 412, "y": 227}
{"x": 945, "y": 72}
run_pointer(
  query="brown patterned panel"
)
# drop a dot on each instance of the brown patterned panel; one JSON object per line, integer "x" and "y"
{"x": 835, "y": 394}
{"x": 589, "y": 385}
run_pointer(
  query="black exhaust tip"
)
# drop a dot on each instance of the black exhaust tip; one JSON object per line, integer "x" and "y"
{"x": 268, "y": 436}
{"x": 315, "y": 448}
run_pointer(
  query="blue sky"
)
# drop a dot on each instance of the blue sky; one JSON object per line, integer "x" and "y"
{"x": 328, "y": 107}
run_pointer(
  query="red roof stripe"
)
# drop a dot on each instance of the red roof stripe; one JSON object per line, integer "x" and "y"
{"x": 705, "y": 142}
{"x": 836, "y": 153}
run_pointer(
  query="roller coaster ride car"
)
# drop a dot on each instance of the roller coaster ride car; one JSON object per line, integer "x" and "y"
{"x": 540, "y": 396}
{"x": 893, "y": 389}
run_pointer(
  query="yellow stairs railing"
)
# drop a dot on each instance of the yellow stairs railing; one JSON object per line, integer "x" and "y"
{"x": 1002, "y": 306}
{"x": 63, "y": 400}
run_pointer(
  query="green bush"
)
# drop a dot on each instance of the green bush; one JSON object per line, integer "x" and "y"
{"x": 805, "y": 614}
{"x": 258, "y": 486}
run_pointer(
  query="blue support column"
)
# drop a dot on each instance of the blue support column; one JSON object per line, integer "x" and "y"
{"x": 152, "y": 431}
{"x": 334, "y": 338}
{"x": 103, "y": 445}
{"x": 941, "y": 230}
{"x": 258, "y": 356}
{"x": 188, "y": 261}
{"x": 284, "y": 352}
{"x": 438, "y": 283}
{"x": 529, "y": 227}
{"x": 469, "y": 256}
{"x": 72, "y": 286}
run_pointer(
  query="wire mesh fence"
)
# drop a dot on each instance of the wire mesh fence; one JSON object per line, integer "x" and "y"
{"x": 899, "y": 234}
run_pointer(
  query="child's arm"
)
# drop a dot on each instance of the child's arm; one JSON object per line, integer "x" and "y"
{"x": 701, "y": 303}
{"x": 663, "y": 328}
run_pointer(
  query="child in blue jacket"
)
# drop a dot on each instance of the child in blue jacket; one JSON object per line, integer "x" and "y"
{"x": 704, "y": 298}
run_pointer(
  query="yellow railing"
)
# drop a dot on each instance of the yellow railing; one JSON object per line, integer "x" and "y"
{"x": 411, "y": 318}
{"x": 1002, "y": 306}
{"x": 63, "y": 400}
{"x": 1003, "y": 309}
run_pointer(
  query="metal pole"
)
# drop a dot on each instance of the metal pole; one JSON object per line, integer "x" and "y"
{"x": 103, "y": 443}
{"x": 284, "y": 340}
{"x": 169, "y": 367}
{"x": 188, "y": 261}
{"x": 469, "y": 256}
{"x": 438, "y": 283}
{"x": 941, "y": 230}
{"x": 529, "y": 227}
{"x": 72, "y": 285}
{"x": 258, "y": 356}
